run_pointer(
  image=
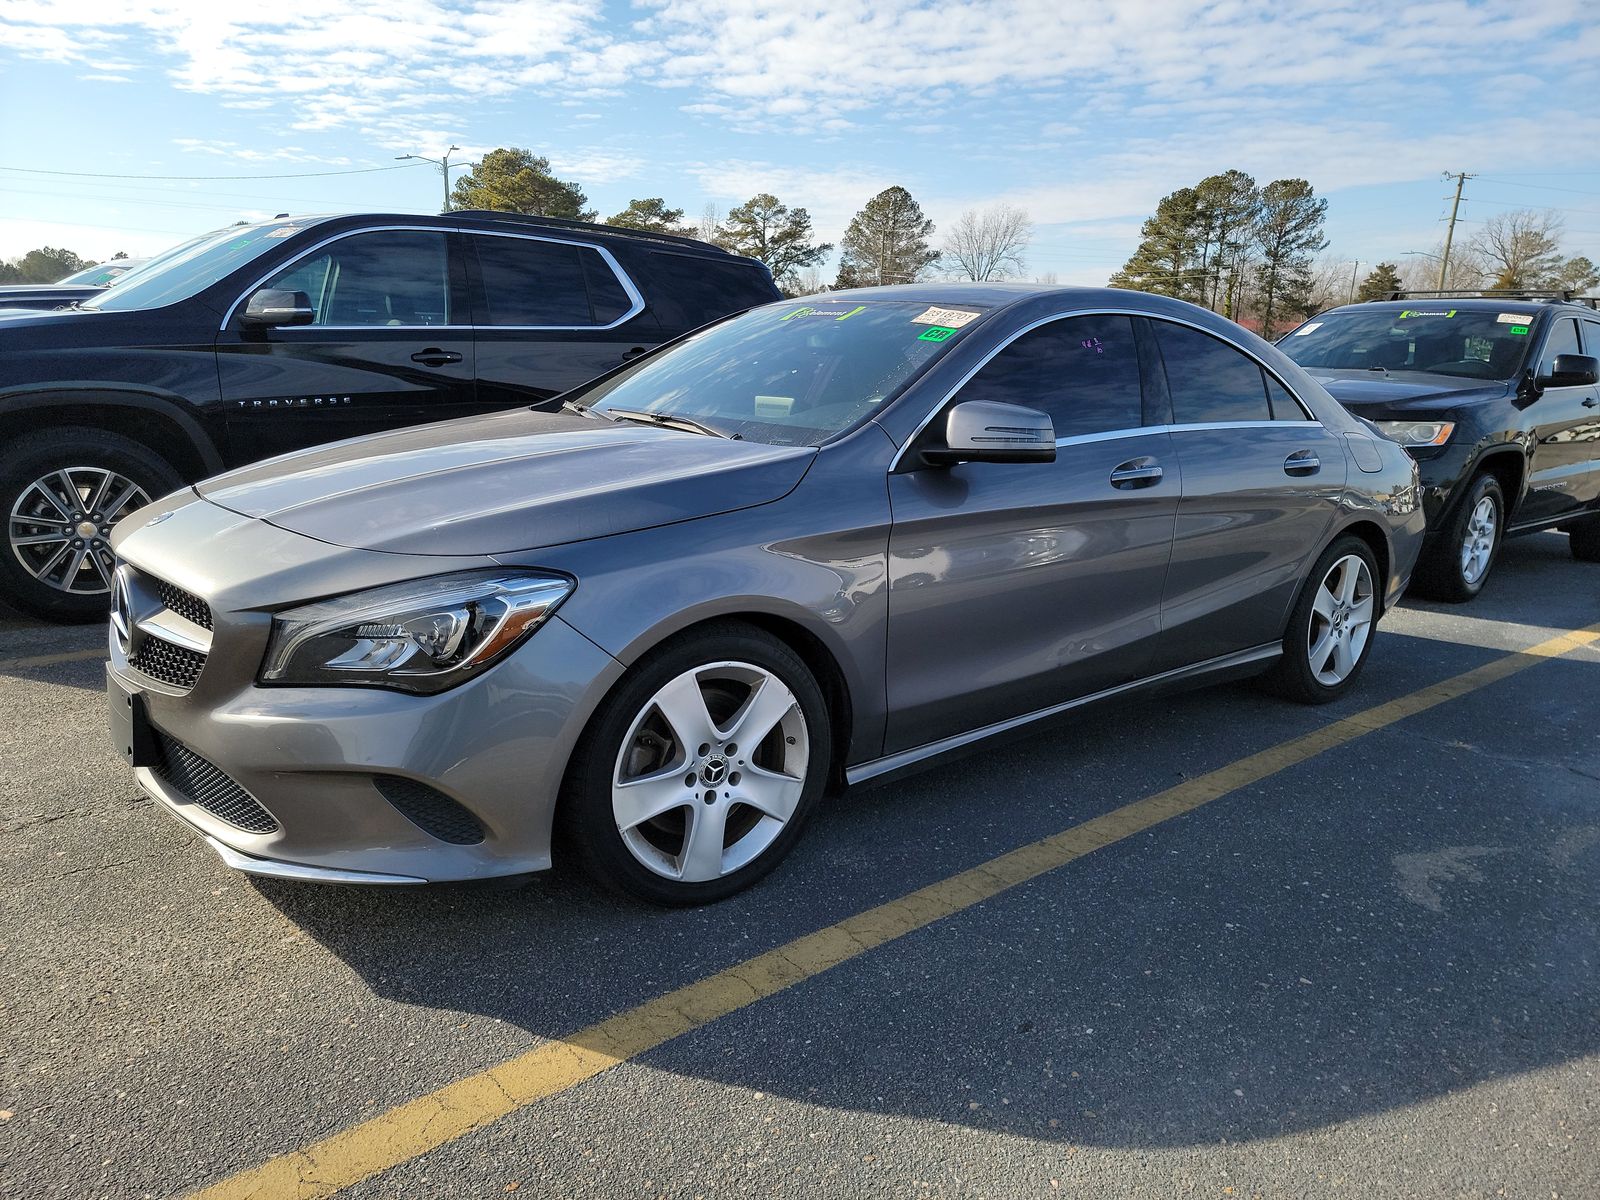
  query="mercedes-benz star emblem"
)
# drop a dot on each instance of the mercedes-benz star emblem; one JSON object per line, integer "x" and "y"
{"x": 714, "y": 772}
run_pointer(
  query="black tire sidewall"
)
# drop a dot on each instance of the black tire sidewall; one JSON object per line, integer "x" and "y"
{"x": 585, "y": 817}
{"x": 35, "y": 456}
{"x": 1293, "y": 676}
{"x": 1446, "y": 582}
{"x": 1583, "y": 538}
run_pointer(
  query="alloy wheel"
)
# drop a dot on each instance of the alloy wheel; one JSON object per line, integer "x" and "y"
{"x": 1477, "y": 545}
{"x": 60, "y": 527}
{"x": 712, "y": 769}
{"x": 1341, "y": 620}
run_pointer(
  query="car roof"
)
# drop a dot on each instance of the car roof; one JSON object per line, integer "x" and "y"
{"x": 1475, "y": 303}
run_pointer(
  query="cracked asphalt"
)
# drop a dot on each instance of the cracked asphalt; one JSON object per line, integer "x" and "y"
{"x": 1375, "y": 971}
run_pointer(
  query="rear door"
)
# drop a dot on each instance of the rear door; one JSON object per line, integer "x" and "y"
{"x": 1261, "y": 484}
{"x": 390, "y": 345}
{"x": 1016, "y": 586}
{"x": 1566, "y": 435}
{"x": 550, "y": 314}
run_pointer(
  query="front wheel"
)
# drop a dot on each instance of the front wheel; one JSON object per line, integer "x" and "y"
{"x": 697, "y": 775}
{"x": 1332, "y": 626}
{"x": 1457, "y": 562}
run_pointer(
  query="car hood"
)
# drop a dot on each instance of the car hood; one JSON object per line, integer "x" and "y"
{"x": 507, "y": 482}
{"x": 1409, "y": 392}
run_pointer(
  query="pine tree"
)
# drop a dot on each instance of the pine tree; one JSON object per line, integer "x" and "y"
{"x": 1385, "y": 278}
{"x": 515, "y": 180}
{"x": 1288, "y": 235}
{"x": 1166, "y": 260}
{"x": 652, "y": 216}
{"x": 780, "y": 236}
{"x": 886, "y": 242}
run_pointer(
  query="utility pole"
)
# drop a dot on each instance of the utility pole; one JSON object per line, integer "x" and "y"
{"x": 1450, "y": 231}
{"x": 1355, "y": 269}
{"x": 444, "y": 169}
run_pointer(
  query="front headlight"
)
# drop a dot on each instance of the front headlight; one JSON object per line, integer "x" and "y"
{"x": 1418, "y": 433}
{"x": 423, "y": 636}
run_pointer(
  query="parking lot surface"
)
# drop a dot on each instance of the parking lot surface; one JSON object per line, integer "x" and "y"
{"x": 1198, "y": 945}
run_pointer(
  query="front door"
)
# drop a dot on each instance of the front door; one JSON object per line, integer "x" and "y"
{"x": 1014, "y": 587}
{"x": 1261, "y": 484}
{"x": 388, "y": 347}
{"x": 1566, "y": 436}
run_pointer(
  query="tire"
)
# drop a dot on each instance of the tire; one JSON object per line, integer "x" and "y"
{"x": 1341, "y": 598}
{"x": 1457, "y": 561}
{"x": 1583, "y": 537}
{"x": 45, "y": 480}
{"x": 635, "y": 762}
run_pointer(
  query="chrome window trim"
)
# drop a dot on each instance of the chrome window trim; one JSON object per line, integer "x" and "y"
{"x": 634, "y": 295}
{"x": 1112, "y": 435}
{"x": 1115, "y": 312}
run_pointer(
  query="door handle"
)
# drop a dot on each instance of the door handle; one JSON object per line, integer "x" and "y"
{"x": 630, "y": 355}
{"x": 434, "y": 357}
{"x": 1592, "y": 402}
{"x": 1302, "y": 462}
{"x": 1136, "y": 473}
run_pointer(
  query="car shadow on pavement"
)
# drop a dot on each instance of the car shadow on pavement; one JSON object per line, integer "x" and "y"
{"x": 1394, "y": 921}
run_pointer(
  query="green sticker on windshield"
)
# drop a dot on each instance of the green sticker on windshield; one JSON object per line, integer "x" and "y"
{"x": 1518, "y": 329}
{"x": 1417, "y": 312}
{"x": 936, "y": 333}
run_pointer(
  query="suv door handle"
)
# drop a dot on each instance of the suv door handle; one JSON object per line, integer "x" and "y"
{"x": 630, "y": 355}
{"x": 1136, "y": 473}
{"x": 435, "y": 357}
{"x": 1302, "y": 462}
{"x": 1591, "y": 402}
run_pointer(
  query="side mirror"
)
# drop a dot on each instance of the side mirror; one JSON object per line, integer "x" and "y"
{"x": 987, "y": 431}
{"x": 1572, "y": 370}
{"x": 273, "y": 307}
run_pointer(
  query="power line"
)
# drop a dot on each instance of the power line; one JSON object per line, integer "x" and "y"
{"x": 200, "y": 178}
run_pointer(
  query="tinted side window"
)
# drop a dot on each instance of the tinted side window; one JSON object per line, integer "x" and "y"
{"x": 607, "y": 297}
{"x": 1563, "y": 340}
{"x": 1083, "y": 371}
{"x": 393, "y": 277}
{"x": 1209, "y": 380}
{"x": 1284, "y": 407}
{"x": 532, "y": 283}
{"x": 1591, "y": 338}
{"x": 687, "y": 290}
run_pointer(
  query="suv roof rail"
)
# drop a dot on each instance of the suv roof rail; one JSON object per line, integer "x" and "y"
{"x": 489, "y": 214}
{"x": 1567, "y": 295}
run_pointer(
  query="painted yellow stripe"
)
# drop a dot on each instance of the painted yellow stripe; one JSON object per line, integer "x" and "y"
{"x": 324, "y": 1167}
{"x": 50, "y": 660}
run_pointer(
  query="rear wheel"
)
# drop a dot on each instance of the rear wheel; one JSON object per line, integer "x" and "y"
{"x": 1332, "y": 626}
{"x": 1457, "y": 562}
{"x": 699, "y": 772}
{"x": 1584, "y": 539}
{"x": 61, "y": 494}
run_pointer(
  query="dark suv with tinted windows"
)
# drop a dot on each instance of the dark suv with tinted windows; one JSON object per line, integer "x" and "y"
{"x": 1495, "y": 395}
{"x": 262, "y": 339}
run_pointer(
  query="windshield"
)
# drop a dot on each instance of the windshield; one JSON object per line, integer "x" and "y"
{"x": 788, "y": 374}
{"x": 1436, "y": 339}
{"x": 192, "y": 267}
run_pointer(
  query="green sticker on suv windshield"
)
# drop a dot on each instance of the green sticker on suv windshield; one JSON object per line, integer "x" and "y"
{"x": 936, "y": 333}
{"x": 1518, "y": 329}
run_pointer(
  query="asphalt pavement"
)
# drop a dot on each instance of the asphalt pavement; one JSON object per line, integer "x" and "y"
{"x": 1366, "y": 965}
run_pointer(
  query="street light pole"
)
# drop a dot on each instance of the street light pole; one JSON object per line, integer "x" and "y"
{"x": 444, "y": 169}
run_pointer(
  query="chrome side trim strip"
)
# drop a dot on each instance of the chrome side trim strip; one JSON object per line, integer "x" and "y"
{"x": 274, "y": 869}
{"x": 906, "y": 758}
{"x": 635, "y": 297}
{"x": 1112, "y": 435}
{"x": 1112, "y": 312}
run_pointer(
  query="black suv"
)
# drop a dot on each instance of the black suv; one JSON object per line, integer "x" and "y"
{"x": 261, "y": 339}
{"x": 1495, "y": 395}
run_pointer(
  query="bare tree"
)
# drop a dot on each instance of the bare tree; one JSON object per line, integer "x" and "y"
{"x": 1522, "y": 247}
{"x": 1049, "y": 279}
{"x": 710, "y": 223}
{"x": 808, "y": 282}
{"x": 988, "y": 244}
{"x": 1420, "y": 271}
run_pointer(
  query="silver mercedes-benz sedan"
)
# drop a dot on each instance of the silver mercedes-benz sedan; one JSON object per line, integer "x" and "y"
{"x": 810, "y": 545}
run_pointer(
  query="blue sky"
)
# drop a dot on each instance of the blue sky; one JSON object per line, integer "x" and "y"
{"x": 1084, "y": 114}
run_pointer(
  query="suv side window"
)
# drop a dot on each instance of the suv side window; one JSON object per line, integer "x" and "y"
{"x": 1563, "y": 339}
{"x": 1082, "y": 371}
{"x": 1591, "y": 338}
{"x": 386, "y": 277}
{"x": 1209, "y": 380}
{"x": 532, "y": 282}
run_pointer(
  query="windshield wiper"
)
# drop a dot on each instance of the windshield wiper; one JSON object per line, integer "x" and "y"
{"x": 583, "y": 410}
{"x": 671, "y": 421}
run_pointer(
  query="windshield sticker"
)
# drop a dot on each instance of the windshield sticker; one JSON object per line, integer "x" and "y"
{"x": 774, "y": 406}
{"x": 954, "y": 318}
{"x": 838, "y": 313}
{"x": 1519, "y": 330}
{"x": 936, "y": 333}
{"x": 283, "y": 231}
{"x": 1305, "y": 329}
{"x": 1514, "y": 319}
{"x": 1417, "y": 312}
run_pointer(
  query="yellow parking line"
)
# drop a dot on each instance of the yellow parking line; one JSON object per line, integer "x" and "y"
{"x": 49, "y": 660}
{"x": 326, "y": 1166}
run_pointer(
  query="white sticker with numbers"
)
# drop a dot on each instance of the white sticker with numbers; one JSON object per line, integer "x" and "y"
{"x": 1514, "y": 318}
{"x": 950, "y": 318}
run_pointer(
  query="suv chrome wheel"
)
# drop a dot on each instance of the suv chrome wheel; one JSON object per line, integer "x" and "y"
{"x": 60, "y": 527}
{"x": 710, "y": 772}
{"x": 1477, "y": 543}
{"x": 1341, "y": 620}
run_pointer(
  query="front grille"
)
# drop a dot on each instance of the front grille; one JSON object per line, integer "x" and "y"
{"x": 185, "y": 604}
{"x": 431, "y": 811}
{"x": 203, "y": 783}
{"x": 161, "y": 659}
